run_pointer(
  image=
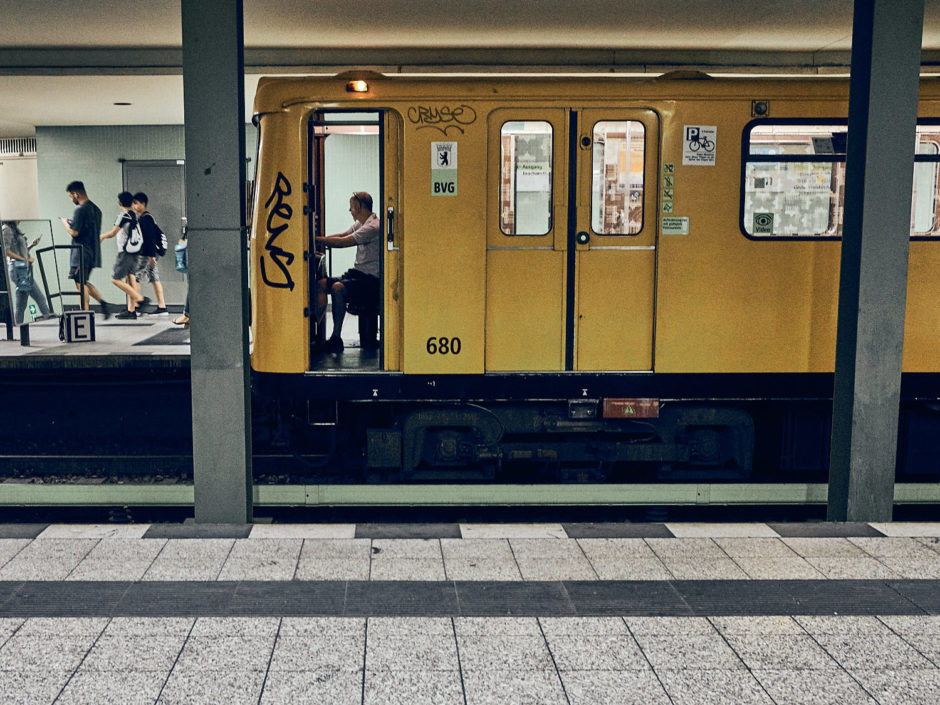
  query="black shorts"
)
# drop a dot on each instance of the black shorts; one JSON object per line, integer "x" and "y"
{"x": 361, "y": 289}
{"x": 75, "y": 272}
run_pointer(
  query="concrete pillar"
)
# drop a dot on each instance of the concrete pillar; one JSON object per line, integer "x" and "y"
{"x": 886, "y": 44}
{"x": 214, "y": 109}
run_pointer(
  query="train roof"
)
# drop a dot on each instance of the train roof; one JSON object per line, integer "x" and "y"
{"x": 276, "y": 93}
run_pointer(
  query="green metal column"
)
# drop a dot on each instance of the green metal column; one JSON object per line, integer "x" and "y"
{"x": 214, "y": 109}
{"x": 886, "y": 42}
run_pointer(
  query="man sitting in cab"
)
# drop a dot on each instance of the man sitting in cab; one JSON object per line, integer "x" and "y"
{"x": 359, "y": 285}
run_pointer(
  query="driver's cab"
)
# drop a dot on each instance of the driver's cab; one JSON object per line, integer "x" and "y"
{"x": 346, "y": 187}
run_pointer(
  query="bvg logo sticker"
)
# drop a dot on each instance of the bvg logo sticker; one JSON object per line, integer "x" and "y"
{"x": 443, "y": 168}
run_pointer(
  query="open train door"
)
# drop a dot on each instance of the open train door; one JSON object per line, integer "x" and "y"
{"x": 612, "y": 240}
{"x": 349, "y": 155}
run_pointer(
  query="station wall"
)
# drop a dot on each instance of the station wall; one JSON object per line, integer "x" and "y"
{"x": 93, "y": 155}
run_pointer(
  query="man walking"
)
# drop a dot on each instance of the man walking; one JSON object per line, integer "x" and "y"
{"x": 128, "y": 245}
{"x": 154, "y": 246}
{"x": 85, "y": 229}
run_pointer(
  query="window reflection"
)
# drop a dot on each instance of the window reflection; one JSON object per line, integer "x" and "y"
{"x": 525, "y": 188}
{"x": 617, "y": 177}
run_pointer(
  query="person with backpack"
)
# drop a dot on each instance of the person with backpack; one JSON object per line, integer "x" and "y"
{"x": 154, "y": 246}
{"x": 129, "y": 242}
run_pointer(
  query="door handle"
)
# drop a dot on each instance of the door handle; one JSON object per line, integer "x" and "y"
{"x": 391, "y": 224}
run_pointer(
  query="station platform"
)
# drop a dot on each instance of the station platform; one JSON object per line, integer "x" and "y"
{"x": 566, "y": 613}
{"x": 150, "y": 339}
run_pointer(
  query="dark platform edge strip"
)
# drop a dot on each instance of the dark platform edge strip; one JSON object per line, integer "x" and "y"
{"x": 476, "y": 599}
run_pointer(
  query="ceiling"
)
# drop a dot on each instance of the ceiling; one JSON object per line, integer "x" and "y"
{"x": 60, "y": 65}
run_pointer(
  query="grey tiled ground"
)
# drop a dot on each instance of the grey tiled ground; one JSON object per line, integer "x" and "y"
{"x": 415, "y": 687}
{"x": 130, "y": 687}
{"x": 704, "y": 687}
{"x": 118, "y": 559}
{"x": 262, "y": 559}
{"x": 678, "y": 660}
{"x": 10, "y": 547}
{"x": 829, "y": 687}
{"x": 614, "y": 688}
{"x": 551, "y": 559}
{"x": 468, "y": 559}
{"x": 479, "y": 559}
{"x": 47, "y": 559}
{"x": 184, "y": 559}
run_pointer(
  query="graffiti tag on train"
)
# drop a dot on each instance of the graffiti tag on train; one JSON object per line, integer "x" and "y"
{"x": 281, "y": 258}
{"x": 442, "y": 118}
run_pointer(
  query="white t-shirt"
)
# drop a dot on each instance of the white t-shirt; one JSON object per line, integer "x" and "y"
{"x": 125, "y": 221}
{"x": 368, "y": 248}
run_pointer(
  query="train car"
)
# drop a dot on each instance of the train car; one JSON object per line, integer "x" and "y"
{"x": 585, "y": 280}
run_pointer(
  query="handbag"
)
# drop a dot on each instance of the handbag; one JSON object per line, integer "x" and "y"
{"x": 182, "y": 257}
{"x": 22, "y": 275}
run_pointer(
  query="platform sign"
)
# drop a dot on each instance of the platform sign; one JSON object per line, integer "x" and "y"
{"x": 79, "y": 326}
{"x": 443, "y": 168}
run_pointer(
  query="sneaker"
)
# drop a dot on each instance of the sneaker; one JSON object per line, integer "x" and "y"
{"x": 123, "y": 315}
{"x": 334, "y": 345}
{"x": 106, "y": 309}
{"x": 160, "y": 311}
{"x": 143, "y": 302}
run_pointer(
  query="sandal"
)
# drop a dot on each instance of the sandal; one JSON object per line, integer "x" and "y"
{"x": 182, "y": 320}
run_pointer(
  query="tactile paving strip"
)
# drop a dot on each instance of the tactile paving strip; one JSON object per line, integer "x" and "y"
{"x": 479, "y": 599}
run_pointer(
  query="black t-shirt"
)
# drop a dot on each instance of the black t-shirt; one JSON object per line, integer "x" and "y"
{"x": 87, "y": 222}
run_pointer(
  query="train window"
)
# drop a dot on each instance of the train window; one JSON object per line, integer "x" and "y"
{"x": 794, "y": 180}
{"x": 924, "y": 215}
{"x": 525, "y": 186}
{"x": 617, "y": 177}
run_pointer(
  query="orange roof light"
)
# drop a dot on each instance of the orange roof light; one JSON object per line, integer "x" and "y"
{"x": 357, "y": 87}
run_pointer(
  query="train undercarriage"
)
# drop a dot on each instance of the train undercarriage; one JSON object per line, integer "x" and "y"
{"x": 572, "y": 441}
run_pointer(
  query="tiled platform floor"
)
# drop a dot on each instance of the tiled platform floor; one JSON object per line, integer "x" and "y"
{"x": 530, "y": 552}
{"x": 590, "y": 661}
{"x": 681, "y": 614}
{"x": 112, "y": 337}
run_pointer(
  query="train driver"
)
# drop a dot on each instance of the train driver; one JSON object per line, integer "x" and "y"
{"x": 359, "y": 285}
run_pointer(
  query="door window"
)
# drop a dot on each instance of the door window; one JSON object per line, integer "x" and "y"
{"x": 525, "y": 185}
{"x": 617, "y": 177}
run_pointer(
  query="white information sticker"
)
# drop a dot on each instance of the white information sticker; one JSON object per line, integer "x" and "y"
{"x": 675, "y": 226}
{"x": 699, "y": 145}
{"x": 443, "y": 168}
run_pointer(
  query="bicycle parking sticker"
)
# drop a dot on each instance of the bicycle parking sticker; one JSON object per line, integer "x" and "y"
{"x": 700, "y": 145}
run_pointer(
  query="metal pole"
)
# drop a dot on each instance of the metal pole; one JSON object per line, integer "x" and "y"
{"x": 886, "y": 42}
{"x": 214, "y": 109}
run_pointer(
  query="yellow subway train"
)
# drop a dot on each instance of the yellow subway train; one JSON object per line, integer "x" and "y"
{"x": 596, "y": 280}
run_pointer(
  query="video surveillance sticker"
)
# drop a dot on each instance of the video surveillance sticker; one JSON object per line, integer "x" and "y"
{"x": 763, "y": 224}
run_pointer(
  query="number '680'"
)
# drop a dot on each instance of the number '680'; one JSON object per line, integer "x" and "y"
{"x": 443, "y": 346}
